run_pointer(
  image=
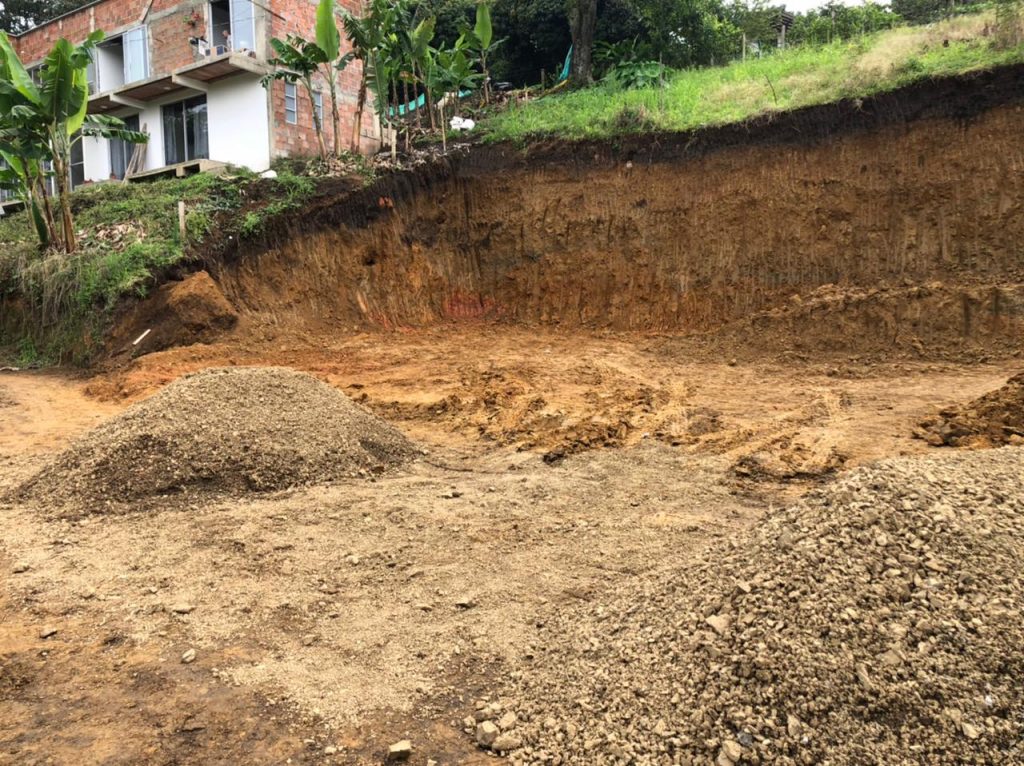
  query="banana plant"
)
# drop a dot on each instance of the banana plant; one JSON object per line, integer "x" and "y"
{"x": 422, "y": 60}
{"x": 297, "y": 60}
{"x": 328, "y": 39}
{"x": 483, "y": 42}
{"x": 40, "y": 123}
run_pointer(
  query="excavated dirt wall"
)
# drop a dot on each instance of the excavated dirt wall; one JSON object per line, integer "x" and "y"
{"x": 924, "y": 186}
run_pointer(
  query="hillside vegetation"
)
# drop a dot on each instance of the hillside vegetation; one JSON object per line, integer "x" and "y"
{"x": 129, "y": 233}
{"x": 129, "y": 240}
{"x": 781, "y": 80}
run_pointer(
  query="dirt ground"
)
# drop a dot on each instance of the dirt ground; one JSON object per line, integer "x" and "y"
{"x": 329, "y": 622}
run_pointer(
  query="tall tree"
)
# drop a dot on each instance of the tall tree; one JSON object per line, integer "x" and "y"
{"x": 582, "y": 25}
{"x": 16, "y": 16}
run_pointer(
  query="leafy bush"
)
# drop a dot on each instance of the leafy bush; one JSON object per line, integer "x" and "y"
{"x": 637, "y": 74}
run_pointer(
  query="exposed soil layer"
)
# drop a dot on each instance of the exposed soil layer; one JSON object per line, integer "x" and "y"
{"x": 221, "y": 430}
{"x": 330, "y": 621}
{"x": 904, "y": 209}
{"x": 993, "y": 419}
{"x": 878, "y": 621}
{"x": 179, "y": 313}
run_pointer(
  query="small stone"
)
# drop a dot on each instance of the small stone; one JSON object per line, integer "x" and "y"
{"x": 486, "y": 733}
{"x": 970, "y": 730}
{"x": 47, "y": 632}
{"x": 503, "y": 743}
{"x": 400, "y": 751}
{"x": 20, "y": 567}
{"x": 864, "y": 678}
{"x": 308, "y": 640}
{"x": 189, "y": 655}
{"x": 330, "y": 750}
{"x": 353, "y": 559}
{"x": 182, "y": 608}
{"x": 732, "y": 750}
{"x": 465, "y": 602}
{"x": 794, "y": 727}
{"x": 507, "y": 721}
{"x": 719, "y": 622}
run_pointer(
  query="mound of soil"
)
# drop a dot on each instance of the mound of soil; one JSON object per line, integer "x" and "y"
{"x": 227, "y": 430}
{"x": 993, "y": 419}
{"x": 193, "y": 310}
{"x": 878, "y": 621}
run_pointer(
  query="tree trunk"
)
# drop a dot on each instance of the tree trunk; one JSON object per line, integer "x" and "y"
{"x": 430, "y": 109}
{"x": 405, "y": 120}
{"x": 393, "y": 121}
{"x": 582, "y": 26}
{"x": 60, "y": 173}
{"x": 334, "y": 111}
{"x": 316, "y": 125}
{"x": 51, "y": 225}
{"x": 444, "y": 129}
{"x": 415, "y": 80}
{"x": 360, "y": 104}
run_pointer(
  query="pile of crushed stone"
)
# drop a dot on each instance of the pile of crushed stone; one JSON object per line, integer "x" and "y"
{"x": 993, "y": 419}
{"x": 228, "y": 430}
{"x": 877, "y": 621}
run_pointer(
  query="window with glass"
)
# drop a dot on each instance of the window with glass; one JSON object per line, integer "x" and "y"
{"x": 92, "y": 76}
{"x": 136, "y": 54}
{"x": 232, "y": 26}
{"x": 291, "y": 103}
{"x": 186, "y": 132}
{"x": 121, "y": 151}
{"x": 318, "y": 104}
{"x": 77, "y": 169}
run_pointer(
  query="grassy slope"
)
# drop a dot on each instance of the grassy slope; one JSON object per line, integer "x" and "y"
{"x": 799, "y": 77}
{"x": 128, "y": 236}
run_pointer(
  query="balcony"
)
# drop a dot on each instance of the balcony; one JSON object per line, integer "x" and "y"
{"x": 189, "y": 79}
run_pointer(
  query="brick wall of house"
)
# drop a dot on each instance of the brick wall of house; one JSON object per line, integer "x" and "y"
{"x": 169, "y": 49}
{"x": 299, "y": 17}
{"x": 168, "y": 34}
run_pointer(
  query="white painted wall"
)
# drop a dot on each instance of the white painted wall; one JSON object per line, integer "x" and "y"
{"x": 239, "y": 130}
{"x": 110, "y": 66}
{"x": 239, "y": 127}
{"x": 96, "y": 153}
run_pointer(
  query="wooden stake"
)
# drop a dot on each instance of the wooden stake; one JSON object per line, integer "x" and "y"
{"x": 181, "y": 221}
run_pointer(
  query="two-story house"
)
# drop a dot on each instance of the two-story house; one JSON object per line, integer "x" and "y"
{"x": 188, "y": 72}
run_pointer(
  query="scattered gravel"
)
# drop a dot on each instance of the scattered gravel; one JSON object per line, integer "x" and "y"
{"x": 230, "y": 430}
{"x": 993, "y": 419}
{"x": 877, "y": 621}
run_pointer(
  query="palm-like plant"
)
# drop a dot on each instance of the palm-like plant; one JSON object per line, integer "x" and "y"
{"x": 297, "y": 60}
{"x": 40, "y": 123}
{"x": 328, "y": 39}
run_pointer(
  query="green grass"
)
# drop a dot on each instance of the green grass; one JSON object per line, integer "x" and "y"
{"x": 129, "y": 237}
{"x": 784, "y": 80}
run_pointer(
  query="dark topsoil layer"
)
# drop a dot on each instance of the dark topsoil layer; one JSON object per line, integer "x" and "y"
{"x": 961, "y": 98}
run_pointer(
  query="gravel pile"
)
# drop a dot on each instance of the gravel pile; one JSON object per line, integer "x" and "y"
{"x": 878, "y": 621}
{"x": 993, "y": 419}
{"x": 229, "y": 430}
